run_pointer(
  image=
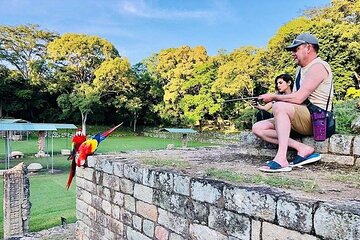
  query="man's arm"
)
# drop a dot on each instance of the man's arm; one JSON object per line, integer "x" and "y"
{"x": 316, "y": 74}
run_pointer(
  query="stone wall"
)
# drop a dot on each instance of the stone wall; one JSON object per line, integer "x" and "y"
{"x": 342, "y": 149}
{"x": 16, "y": 202}
{"x": 119, "y": 199}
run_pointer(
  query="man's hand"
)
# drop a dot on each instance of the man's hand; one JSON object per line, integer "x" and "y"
{"x": 267, "y": 97}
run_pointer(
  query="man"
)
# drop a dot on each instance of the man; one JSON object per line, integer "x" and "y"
{"x": 314, "y": 81}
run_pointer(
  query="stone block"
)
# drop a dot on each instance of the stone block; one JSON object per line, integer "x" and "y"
{"x": 111, "y": 181}
{"x": 104, "y": 193}
{"x": 200, "y": 232}
{"x": 198, "y": 213}
{"x": 129, "y": 203}
{"x": 357, "y": 161}
{"x": 137, "y": 223}
{"x": 175, "y": 223}
{"x": 337, "y": 221}
{"x": 148, "y": 228}
{"x": 126, "y": 186}
{"x": 182, "y": 184}
{"x": 126, "y": 217}
{"x": 159, "y": 180}
{"x": 147, "y": 210}
{"x": 106, "y": 165}
{"x": 81, "y": 206}
{"x": 143, "y": 193}
{"x": 320, "y": 147}
{"x": 92, "y": 161}
{"x": 102, "y": 219}
{"x": 84, "y": 196}
{"x": 118, "y": 199}
{"x": 339, "y": 159}
{"x": 340, "y": 144}
{"x": 115, "y": 212}
{"x": 87, "y": 173}
{"x": 117, "y": 227}
{"x": 134, "y": 173}
{"x": 135, "y": 235}
{"x": 356, "y": 148}
{"x": 118, "y": 169}
{"x": 274, "y": 232}
{"x": 206, "y": 190}
{"x": 227, "y": 222}
{"x": 161, "y": 233}
{"x": 355, "y": 124}
{"x": 171, "y": 202}
{"x": 255, "y": 230}
{"x": 247, "y": 138}
{"x": 254, "y": 201}
{"x": 106, "y": 207}
{"x": 295, "y": 214}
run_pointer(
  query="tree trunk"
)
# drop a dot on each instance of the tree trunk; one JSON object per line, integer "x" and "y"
{"x": 135, "y": 120}
{"x": 83, "y": 121}
{"x": 357, "y": 80}
{"x": 1, "y": 108}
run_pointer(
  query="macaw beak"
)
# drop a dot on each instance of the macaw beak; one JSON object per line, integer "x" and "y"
{"x": 107, "y": 133}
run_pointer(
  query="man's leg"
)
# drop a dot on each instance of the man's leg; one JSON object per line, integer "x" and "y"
{"x": 283, "y": 113}
{"x": 266, "y": 131}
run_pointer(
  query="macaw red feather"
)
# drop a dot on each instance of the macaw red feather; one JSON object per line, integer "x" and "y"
{"x": 86, "y": 148}
{"x": 77, "y": 140}
{"x": 71, "y": 174}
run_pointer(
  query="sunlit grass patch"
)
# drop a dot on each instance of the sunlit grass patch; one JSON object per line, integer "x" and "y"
{"x": 166, "y": 163}
{"x": 352, "y": 178}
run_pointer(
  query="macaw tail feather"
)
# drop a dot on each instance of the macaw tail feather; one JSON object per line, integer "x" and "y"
{"x": 71, "y": 174}
{"x": 107, "y": 133}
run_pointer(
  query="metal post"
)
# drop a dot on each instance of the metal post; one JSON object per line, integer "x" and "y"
{"x": 52, "y": 152}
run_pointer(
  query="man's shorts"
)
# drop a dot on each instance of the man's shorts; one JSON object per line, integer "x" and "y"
{"x": 301, "y": 121}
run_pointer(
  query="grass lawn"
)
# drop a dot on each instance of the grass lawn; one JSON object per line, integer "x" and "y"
{"x": 50, "y": 200}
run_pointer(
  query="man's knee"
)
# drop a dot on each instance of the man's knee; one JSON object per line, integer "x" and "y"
{"x": 282, "y": 107}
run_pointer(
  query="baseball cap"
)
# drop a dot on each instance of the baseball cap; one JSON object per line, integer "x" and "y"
{"x": 301, "y": 39}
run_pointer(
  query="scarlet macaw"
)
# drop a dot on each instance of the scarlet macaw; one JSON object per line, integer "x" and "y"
{"x": 77, "y": 140}
{"x": 88, "y": 148}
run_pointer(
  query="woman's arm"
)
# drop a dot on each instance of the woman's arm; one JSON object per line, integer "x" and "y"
{"x": 265, "y": 107}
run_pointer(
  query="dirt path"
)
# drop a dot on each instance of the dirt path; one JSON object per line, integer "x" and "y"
{"x": 321, "y": 181}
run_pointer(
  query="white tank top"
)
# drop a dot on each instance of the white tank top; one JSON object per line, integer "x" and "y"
{"x": 321, "y": 94}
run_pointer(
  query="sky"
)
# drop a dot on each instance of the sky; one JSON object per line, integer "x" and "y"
{"x": 140, "y": 28}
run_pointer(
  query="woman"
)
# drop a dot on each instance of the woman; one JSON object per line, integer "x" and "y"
{"x": 283, "y": 84}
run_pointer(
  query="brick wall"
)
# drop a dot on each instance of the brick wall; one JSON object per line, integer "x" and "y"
{"x": 118, "y": 199}
{"x": 16, "y": 202}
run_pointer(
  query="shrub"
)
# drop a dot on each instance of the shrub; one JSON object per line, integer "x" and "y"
{"x": 345, "y": 112}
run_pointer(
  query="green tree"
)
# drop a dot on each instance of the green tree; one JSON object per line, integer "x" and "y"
{"x": 200, "y": 102}
{"x": 24, "y": 45}
{"x": 76, "y": 58}
{"x": 175, "y": 67}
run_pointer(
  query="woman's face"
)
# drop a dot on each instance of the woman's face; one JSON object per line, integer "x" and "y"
{"x": 281, "y": 85}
